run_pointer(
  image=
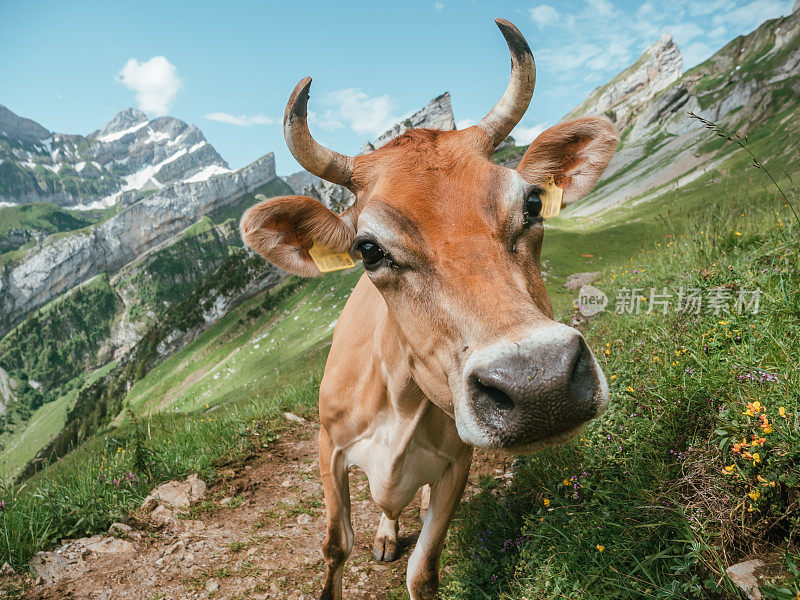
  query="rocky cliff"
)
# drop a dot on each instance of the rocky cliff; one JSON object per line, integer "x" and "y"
{"x": 130, "y": 152}
{"x": 627, "y": 93}
{"x": 746, "y": 85}
{"x": 437, "y": 114}
{"x": 63, "y": 260}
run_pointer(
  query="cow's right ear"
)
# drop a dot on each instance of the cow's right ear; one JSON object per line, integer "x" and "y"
{"x": 283, "y": 229}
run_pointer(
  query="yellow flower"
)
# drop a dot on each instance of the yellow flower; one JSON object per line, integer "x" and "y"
{"x": 782, "y": 412}
{"x": 613, "y": 377}
{"x": 600, "y": 547}
{"x": 629, "y": 389}
{"x": 566, "y": 482}
{"x": 756, "y": 458}
{"x": 546, "y": 502}
{"x": 755, "y": 495}
{"x": 729, "y": 469}
{"x": 607, "y": 351}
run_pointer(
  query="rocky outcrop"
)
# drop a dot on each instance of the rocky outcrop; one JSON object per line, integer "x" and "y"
{"x": 437, "y": 114}
{"x": 130, "y": 152}
{"x": 747, "y": 83}
{"x": 6, "y": 391}
{"x": 62, "y": 261}
{"x": 620, "y": 99}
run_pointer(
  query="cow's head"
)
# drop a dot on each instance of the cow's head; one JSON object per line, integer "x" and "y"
{"x": 452, "y": 241}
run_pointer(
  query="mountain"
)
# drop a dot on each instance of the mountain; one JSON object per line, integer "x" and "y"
{"x": 658, "y": 67}
{"x": 130, "y": 153}
{"x": 745, "y": 86}
{"x": 437, "y": 114}
{"x": 62, "y": 261}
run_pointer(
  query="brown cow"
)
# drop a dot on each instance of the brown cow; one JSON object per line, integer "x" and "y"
{"x": 448, "y": 340}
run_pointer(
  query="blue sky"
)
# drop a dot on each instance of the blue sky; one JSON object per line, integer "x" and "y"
{"x": 228, "y": 67}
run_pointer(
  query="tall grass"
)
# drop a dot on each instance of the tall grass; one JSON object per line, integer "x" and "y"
{"x": 86, "y": 491}
{"x": 695, "y": 466}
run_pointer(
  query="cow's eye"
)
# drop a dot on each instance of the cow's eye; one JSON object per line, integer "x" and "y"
{"x": 371, "y": 254}
{"x": 533, "y": 207}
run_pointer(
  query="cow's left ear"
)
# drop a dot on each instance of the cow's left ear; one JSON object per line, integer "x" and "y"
{"x": 575, "y": 153}
{"x": 283, "y": 229}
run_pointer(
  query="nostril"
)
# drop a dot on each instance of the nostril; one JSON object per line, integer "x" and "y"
{"x": 500, "y": 398}
{"x": 583, "y": 382}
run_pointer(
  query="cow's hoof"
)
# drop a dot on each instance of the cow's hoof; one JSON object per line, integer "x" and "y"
{"x": 385, "y": 549}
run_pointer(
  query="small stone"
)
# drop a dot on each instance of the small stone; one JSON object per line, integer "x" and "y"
{"x": 161, "y": 514}
{"x": 293, "y": 418}
{"x": 577, "y": 280}
{"x": 212, "y": 585}
{"x": 226, "y": 501}
{"x": 172, "y": 549}
{"x": 286, "y": 483}
{"x": 7, "y": 570}
{"x": 119, "y": 528}
{"x": 149, "y": 503}
{"x": 745, "y": 577}
{"x": 303, "y": 519}
{"x": 181, "y": 493}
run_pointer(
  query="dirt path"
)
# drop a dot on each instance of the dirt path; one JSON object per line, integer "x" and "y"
{"x": 257, "y": 534}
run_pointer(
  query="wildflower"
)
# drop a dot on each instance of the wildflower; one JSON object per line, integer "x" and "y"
{"x": 729, "y": 469}
{"x": 607, "y": 351}
{"x": 566, "y": 482}
{"x": 630, "y": 389}
{"x": 782, "y": 412}
{"x": 613, "y": 377}
{"x": 756, "y": 458}
{"x": 546, "y": 502}
{"x": 600, "y": 547}
{"x": 755, "y": 495}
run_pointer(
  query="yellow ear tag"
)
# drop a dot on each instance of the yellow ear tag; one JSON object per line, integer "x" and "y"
{"x": 551, "y": 199}
{"x": 327, "y": 259}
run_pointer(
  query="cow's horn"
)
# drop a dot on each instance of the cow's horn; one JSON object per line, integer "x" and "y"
{"x": 506, "y": 114}
{"x": 315, "y": 158}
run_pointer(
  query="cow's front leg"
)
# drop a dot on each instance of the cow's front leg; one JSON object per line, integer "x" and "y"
{"x": 423, "y": 566}
{"x": 339, "y": 539}
{"x": 384, "y": 548}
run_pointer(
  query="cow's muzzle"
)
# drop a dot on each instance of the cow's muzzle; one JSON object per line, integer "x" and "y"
{"x": 533, "y": 392}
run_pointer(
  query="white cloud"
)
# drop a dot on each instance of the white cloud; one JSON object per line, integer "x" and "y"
{"x": 600, "y": 7}
{"x": 363, "y": 114}
{"x": 439, "y": 6}
{"x": 543, "y": 15}
{"x": 240, "y": 120}
{"x": 525, "y": 135}
{"x": 326, "y": 120}
{"x": 155, "y": 82}
{"x": 683, "y": 33}
{"x": 464, "y": 123}
{"x": 695, "y": 53}
{"x": 578, "y": 56}
{"x": 749, "y": 16}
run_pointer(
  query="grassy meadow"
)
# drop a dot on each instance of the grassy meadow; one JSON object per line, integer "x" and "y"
{"x": 693, "y": 468}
